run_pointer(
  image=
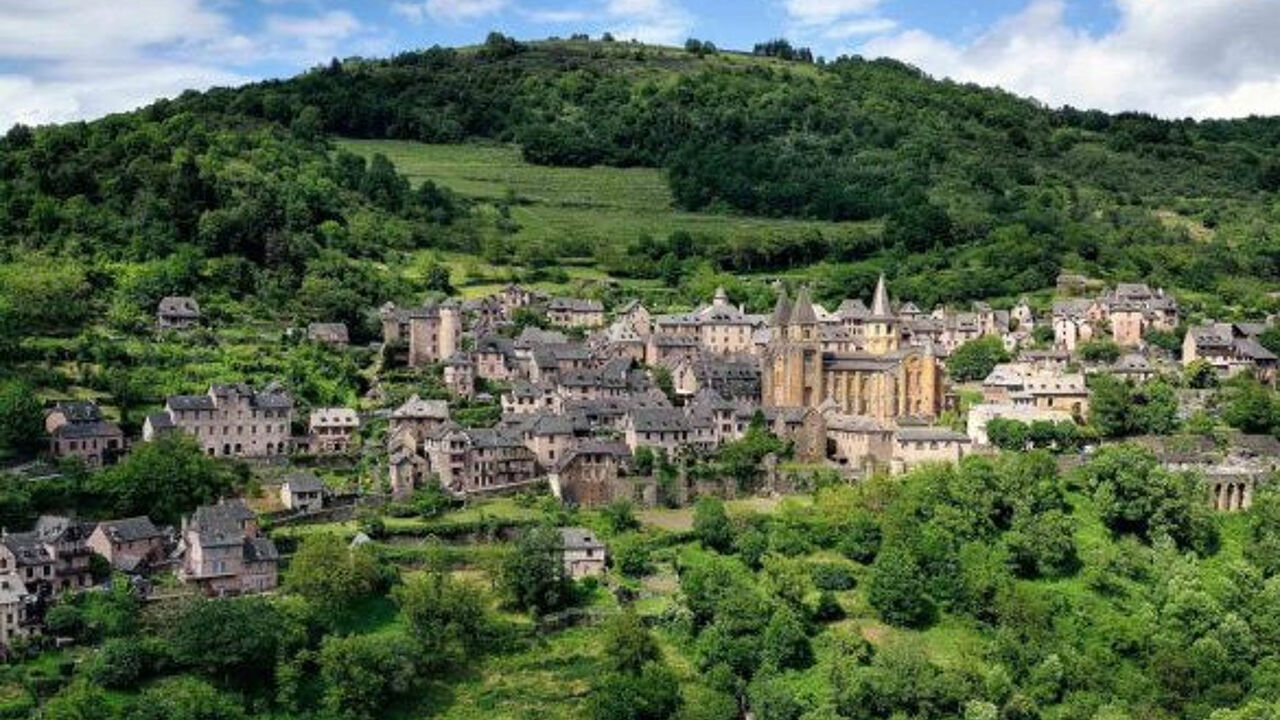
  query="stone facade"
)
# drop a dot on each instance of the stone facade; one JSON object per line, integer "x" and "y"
{"x": 230, "y": 420}
{"x": 884, "y": 381}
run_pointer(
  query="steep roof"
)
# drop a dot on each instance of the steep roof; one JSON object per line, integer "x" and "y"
{"x": 782, "y": 309}
{"x": 880, "y": 306}
{"x": 802, "y": 311}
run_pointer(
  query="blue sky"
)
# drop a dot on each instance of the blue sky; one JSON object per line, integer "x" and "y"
{"x": 72, "y": 59}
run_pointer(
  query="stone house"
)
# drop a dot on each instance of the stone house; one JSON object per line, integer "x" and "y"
{"x": 177, "y": 312}
{"x": 584, "y": 554}
{"x": 1022, "y": 384}
{"x": 129, "y": 544}
{"x": 51, "y": 559}
{"x": 593, "y": 474}
{"x": 495, "y": 358}
{"x": 302, "y": 492}
{"x": 332, "y": 430}
{"x": 77, "y": 429}
{"x": 431, "y": 332}
{"x": 525, "y": 397}
{"x": 230, "y": 420}
{"x": 479, "y": 461}
{"x": 572, "y": 312}
{"x": 223, "y": 552}
{"x": 460, "y": 375}
{"x": 719, "y": 328}
{"x": 667, "y": 429}
{"x": 334, "y": 334}
{"x": 421, "y": 416}
{"x": 1230, "y": 349}
{"x": 858, "y": 443}
{"x": 914, "y": 445}
{"x": 17, "y": 614}
{"x": 636, "y": 317}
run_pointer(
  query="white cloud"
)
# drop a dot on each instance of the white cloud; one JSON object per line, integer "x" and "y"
{"x": 1199, "y": 58}
{"x": 818, "y": 12}
{"x": 449, "y": 10}
{"x": 860, "y": 27}
{"x": 76, "y": 59}
{"x": 662, "y": 22}
{"x": 556, "y": 17}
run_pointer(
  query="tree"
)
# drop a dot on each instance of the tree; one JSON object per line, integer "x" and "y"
{"x": 620, "y": 515}
{"x": 652, "y": 694}
{"x": 630, "y": 555}
{"x": 711, "y": 524}
{"x": 1249, "y": 407}
{"x": 533, "y": 576}
{"x": 362, "y": 673}
{"x": 897, "y": 589}
{"x": 333, "y": 577}
{"x": 186, "y": 698}
{"x": 786, "y": 646}
{"x": 164, "y": 479}
{"x": 233, "y": 641}
{"x": 974, "y": 360}
{"x": 1099, "y": 351}
{"x": 21, "y": 417}
{"x": 447, "y": 617}
{"x": 627, "y": 645}
{"x": 1135, "y": 495}
{"x": 81, "y": 700}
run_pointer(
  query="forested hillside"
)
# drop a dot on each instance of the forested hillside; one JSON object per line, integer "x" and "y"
{"x": 958, "y": 192}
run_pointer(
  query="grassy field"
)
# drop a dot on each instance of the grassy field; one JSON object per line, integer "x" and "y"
{"x": 589, "y": 208}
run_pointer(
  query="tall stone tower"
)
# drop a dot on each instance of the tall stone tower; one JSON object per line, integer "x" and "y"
{"x": 450, "y": 328}
{"x": 881, "y": 328}
{"x": 792, "y": 372}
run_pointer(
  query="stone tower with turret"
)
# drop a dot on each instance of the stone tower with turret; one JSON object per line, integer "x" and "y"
{"x": 881, "y": 332}
{"x": 792, "y": 372}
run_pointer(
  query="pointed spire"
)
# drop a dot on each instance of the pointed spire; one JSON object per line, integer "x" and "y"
{"x": 802, "y": 311}
{"x": 880, "y": 301}
{"x": 782, "y": 310}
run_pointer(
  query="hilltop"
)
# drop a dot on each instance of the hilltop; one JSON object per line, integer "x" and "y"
{"x": 664, "y": 170}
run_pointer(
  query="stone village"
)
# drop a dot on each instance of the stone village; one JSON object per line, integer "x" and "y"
{"x": 857, "y": 389}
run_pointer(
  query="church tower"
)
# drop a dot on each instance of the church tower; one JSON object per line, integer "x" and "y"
{"x": 881, "y": 330}
{"x": 792, "y": 362}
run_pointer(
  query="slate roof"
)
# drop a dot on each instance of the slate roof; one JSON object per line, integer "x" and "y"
{"x": 303, "y": 482}
{"x": 658, "y": 420}
{"x": 77, "y": 411}
{"x": 928, "y": 433}
{"x": 179, "y": 306}
{"x": 77, "y": 430}
{"x": 129, "y": 529}
{"x": 580, "y": 539}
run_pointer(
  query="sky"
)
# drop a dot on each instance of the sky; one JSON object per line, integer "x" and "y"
{"x": 64, "y": 60}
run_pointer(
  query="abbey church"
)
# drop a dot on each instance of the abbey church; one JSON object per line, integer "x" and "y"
{"x": 859, "y": 367}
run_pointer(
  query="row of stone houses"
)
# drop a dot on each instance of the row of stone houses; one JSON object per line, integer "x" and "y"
{"x": 1125, "y": 313}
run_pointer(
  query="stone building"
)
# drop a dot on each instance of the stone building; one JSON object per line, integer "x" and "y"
{"x": 177, "y": 313}
{"x": 583, "y": 553}
{"x": 1230, "y": 349}
{"x": 52, "y": 558}
{"x": 223, "y": 552}
{"x": 478, "y": 461}
{"x": 129, "y": 544}
{"x": 719, "y": 328}
{"x": 431, "y": 332}
{"x": 302, "y": 492}
{"x": 460, "y": 375}
{"x": 77, "y": 429}
{"x": 593, "y": 474}
{"x": 573, "y": 312}
{"x": 334, "y": 334}
{"x": 884, "y": 381}
{"x": 230, "y": 420}
{"x": 332, "y": 430}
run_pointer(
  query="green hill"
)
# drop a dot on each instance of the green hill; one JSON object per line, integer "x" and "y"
{"x": 566, "y": 163}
